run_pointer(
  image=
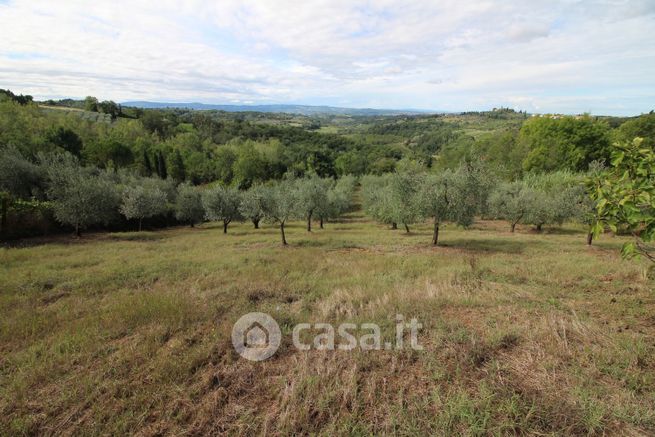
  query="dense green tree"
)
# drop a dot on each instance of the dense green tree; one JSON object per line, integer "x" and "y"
{"x": 156, "y": 123}
{"x": 642, "y": 127}
{"x": 91, "y": 104}
{"x": 351, "y": 162}
{"x": 502, "y": 153}
{"x": 200, "y": 167}
{"x": 580, "y": 197}
{"x": 250, "y": 165}
{"x": 162, "y": 171}
{"x": 178, "y": 172}
{"x": 110, "y": 107}
{"x": 225, "y": 157}
{"x": 145, "y": 165}
{"x": 563, "y": 142}
{"x": 625, "y": 197}
{"x": 66, "y": 139}
{"x": 20, "y": 98}
{"x": 107, "y": 153}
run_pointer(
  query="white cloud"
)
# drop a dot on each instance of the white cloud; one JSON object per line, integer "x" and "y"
{"x": 543, "y": 55}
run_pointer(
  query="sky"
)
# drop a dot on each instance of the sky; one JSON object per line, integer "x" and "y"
{"x": 553, "y": 56}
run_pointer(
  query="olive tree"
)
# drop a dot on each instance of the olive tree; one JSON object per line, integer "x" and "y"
{"x": 552, "y": 201}
{"x": 540, "y": 209}
{"x": 312, "y": 197}
{"x": 19, "y": 179}
{"x": 222, "y": 204}
{"x": 403, "y": 195}
{"x": 339, "y": 199}
{"x": 453, "y": 195}
{"x": 81, "y": 196}
{"x": 393, "y": 198}
{"x": 511, "y": 201}
{"x": 188, "y": 205}
{"x": 252, "y": 204}
{"x": 376, "y": 199}
{"x": 142, "y": 201}
{"x": 281, "y": 204}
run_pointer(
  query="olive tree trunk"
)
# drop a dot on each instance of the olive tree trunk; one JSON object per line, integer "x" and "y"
{"x": 435, "y": 233}
{"x": 284, "y": 240}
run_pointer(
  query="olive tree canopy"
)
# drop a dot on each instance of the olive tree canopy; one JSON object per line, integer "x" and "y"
{"x": 222, "y": 204}
{"x": 81, "y": 196}
{"x": 188, "y": 206}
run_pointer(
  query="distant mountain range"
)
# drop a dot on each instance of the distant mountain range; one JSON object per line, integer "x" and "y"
{"x": 289, "y": 109}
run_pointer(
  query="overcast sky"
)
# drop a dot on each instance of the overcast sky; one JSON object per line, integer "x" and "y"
{"x": 541, "y": 56}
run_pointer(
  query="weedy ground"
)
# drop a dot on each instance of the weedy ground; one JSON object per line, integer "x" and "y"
{"x": 522, "y": 333}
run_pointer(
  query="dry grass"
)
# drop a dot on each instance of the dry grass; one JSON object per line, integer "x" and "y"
{"x": 527, "y": 333}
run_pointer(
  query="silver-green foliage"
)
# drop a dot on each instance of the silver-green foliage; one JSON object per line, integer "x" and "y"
{"x": 188, "y": 205}
{"x": 222, "y": 204}
{"x": 81, "y": 196}
{"x": 376, "y": 195}
{"x": 440, "y": 200}
{"x": 18, "y": 176}
{"x": 281, "y": 204}
{"x": 404, "y": 194}
{"x": 312, "y": 194}
{"x": 554, "y": 200}
{"x": 454, "y": 196}
{"x": 393, "y": 198}
{"x": 339, "y": 198}
{"x": 512, "y": 201}
{"x": 142, "y": 200}
{"x": 253, "y": 204}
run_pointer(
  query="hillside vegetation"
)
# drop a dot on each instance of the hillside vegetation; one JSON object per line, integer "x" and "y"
{"x": 134, "y": 239}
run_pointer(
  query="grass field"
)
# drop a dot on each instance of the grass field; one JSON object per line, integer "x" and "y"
{"x": 523, "y": 333}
